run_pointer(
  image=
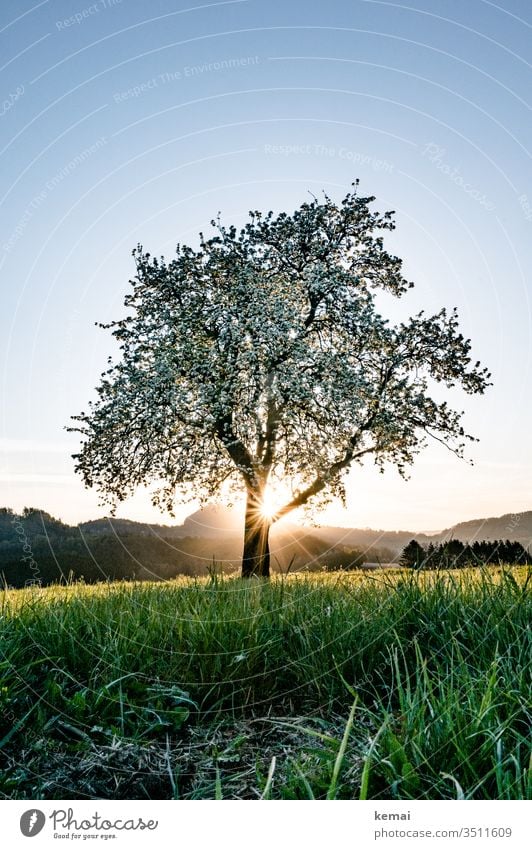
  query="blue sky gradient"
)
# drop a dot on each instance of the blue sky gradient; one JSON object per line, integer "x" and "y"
{"x": 126, "y": 122}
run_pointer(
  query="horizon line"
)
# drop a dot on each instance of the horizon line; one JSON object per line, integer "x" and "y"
{"x": 514, "y": 514}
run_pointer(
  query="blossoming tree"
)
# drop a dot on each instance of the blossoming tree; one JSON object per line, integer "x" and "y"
{"x": 260, "y": 356}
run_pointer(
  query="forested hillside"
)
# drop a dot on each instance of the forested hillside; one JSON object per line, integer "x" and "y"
{"x": 35, "y": 546}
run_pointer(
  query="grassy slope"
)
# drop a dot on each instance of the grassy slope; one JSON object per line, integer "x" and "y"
{"x": 390, "y": 685}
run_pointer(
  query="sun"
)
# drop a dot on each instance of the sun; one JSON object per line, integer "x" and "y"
{"x": 269, "y": 506}
{"x": 274, "y": 496}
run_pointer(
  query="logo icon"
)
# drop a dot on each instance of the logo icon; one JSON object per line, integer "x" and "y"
{"x": 32, "y": 822}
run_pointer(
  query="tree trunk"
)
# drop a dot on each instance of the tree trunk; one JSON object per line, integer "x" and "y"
{"x": 256, "y": 554}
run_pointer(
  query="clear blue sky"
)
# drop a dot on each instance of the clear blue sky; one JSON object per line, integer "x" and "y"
{"x": 137, "y": 121}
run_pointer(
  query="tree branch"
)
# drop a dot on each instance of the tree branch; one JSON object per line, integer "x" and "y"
{"x": 319, "y": 483}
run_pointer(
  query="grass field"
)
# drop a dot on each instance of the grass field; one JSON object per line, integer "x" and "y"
{"x": 389, "y": 685}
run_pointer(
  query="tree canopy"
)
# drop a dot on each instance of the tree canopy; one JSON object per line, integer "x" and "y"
{"x": 260, "y": 355}
{"x": 412, "y": 556}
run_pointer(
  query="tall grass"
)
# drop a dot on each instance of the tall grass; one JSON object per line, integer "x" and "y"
{"x": 390, "y": 685}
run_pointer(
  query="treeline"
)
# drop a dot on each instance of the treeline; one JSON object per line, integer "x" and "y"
{"x": 37, "y": 548}
{"x": 454, "y": 554}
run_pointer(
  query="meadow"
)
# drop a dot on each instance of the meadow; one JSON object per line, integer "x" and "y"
{"x": 385, "y": 685}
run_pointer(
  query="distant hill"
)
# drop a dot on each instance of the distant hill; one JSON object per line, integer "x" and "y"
{"x": 216, "y": 521}
{"x": 213, "y": 521}
{"x": 36, "y": 545}
{"x": 514, "y": 526}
